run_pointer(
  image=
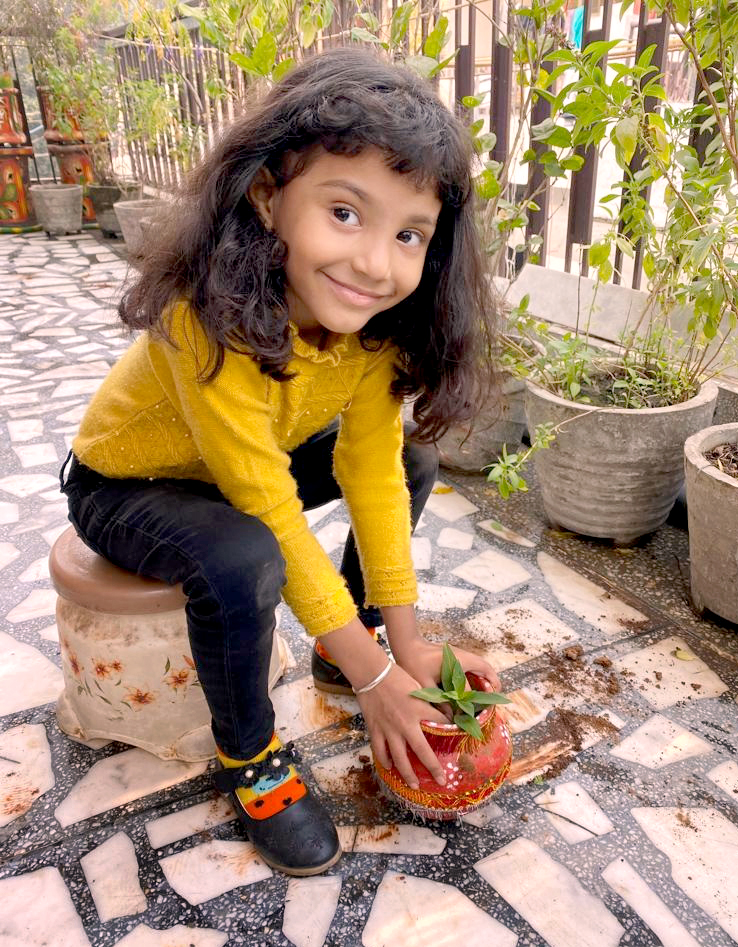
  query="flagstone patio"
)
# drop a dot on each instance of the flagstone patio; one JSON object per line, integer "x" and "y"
{"x": 618, "y": 825}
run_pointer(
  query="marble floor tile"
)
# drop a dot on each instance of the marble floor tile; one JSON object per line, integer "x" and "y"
{"x": 8, "y": 553}
{"x": 25, "y": 770}
{"x": 178, "y": 936}
{"x": 342, "y": 774}
{"x": 492, "y": 571}
{"x": 24, "y": 925}
{"x": 700, "y": 843}
{"x": 669, "y": 671}
{"x": 625, "y": 880}
{"x": 27, "y": 678}
{"x": 309, "y": 908}
{"x": 550, "y": 898}
{"x": 190, "y": 821}
{"x": 449, "y": 505}
{"x": 573, "y": 812}
{"x": 117, "y": 780}
{"x": 480, "y": 818}
{"x": 34, "y": 455}
{"x": 111, "y": 871}
{"x": 442, "y": 598}
{"x": 300, "y": 708}
{"x": 451, "y": 538}
{"x": 416, "y": 912}
{"x": 422, "y": 553}
{"x": 589, "y": 601}
{"x": 659, "y": 742}
{"x": 8, "y": 513}
{"x": 496, "y": 528}
{"x": 515, "y": 633}
{"x": 24, "y": 485}
{"x": 208, "y": 870}
{"x": 85, "y": 386}
{"x": 25, "y": 430}
{"x": 725, "y": 775}
{"x": 36, "y": 604}
{"x": 390, "y": 839}
{"x": 36, "y": 571}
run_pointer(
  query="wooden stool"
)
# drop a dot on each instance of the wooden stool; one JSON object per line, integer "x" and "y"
{"x": 126, "y": 659}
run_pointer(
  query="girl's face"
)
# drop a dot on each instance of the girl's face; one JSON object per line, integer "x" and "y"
{"x": 357, "y": 233}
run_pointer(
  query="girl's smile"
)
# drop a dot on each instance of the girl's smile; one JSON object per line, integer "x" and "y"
{"x": 357, "y": 234}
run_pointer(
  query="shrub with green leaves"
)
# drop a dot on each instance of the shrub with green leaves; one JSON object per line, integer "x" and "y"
{"x": 454, "y": 690}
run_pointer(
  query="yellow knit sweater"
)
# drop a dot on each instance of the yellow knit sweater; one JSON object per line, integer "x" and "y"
{"x": 151, "y": 417}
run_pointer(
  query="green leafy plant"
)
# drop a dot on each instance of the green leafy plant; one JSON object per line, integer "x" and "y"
{"x": 454, "y": 690}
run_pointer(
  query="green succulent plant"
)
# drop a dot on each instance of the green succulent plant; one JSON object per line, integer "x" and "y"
{"x": 454, "y": 690}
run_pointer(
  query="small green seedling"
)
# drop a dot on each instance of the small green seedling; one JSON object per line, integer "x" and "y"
{"x": 465, "y": 703}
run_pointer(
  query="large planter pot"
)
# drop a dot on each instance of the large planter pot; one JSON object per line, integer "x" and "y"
{"x": 501, "y": 421}
{"x": 613, "y": 473}
{"x": 712, "y": 511}
{"x": 103, "y": 197}
{"x": 474, "y": 770}
{"x": 58, "y": 207}
{"x": 130, "y": 214}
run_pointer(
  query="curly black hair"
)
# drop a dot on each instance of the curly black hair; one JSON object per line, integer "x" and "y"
{"x": 214, "y": 251}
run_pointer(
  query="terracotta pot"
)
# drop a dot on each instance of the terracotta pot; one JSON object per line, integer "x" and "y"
{"x": 474, "y": 770}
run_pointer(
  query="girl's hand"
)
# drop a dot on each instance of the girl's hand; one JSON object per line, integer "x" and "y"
{"x": 393, "y": 718}
{"x": 422, "y": 660}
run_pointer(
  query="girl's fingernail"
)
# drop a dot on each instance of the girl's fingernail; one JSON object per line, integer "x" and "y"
{"x": 413, "y": 785}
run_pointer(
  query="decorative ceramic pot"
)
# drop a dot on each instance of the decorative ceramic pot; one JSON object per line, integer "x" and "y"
{"x": 474, "y": 769}
{"x": 712, "y": 510}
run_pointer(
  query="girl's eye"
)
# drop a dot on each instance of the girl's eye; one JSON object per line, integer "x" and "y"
{"x": 411, "y": 238}
{"x": 345, "y": 215}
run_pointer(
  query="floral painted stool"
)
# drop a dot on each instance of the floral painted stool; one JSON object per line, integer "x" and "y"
{"x": 126, "y": 659}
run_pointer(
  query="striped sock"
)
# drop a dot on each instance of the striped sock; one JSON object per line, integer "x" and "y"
{"x": 272, "y": 793}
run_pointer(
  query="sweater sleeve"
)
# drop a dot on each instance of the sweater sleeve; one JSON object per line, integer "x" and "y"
{"x": 368, "y": 466}
{"x": 231, "y": 422}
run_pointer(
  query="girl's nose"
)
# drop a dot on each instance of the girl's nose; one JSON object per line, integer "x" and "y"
{"x": 373, "y": 259}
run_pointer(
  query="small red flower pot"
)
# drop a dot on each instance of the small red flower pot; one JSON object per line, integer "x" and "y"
{"x": 474, "y": 769}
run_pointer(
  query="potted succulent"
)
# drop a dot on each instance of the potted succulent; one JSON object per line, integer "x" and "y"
{"x": 711, "y": 461}
{"x": 579, "y": 397}
{"x": 474, "y": 748}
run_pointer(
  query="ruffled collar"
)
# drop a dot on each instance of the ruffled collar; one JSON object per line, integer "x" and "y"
{"x": 331, "y": 355}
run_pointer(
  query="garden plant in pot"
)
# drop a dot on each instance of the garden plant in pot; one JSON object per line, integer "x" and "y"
{"x": 615, "y": 422}
{"x": 83, "y": 93}
{"x": 711, "y": 461}
{"x": 474, "y": 748}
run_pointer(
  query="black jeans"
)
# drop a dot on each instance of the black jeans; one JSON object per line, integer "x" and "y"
{"x": 230, "y": 567}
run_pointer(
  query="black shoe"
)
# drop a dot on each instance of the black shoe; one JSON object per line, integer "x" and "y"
{"x": 298, "y": 840}
{"x": 329, "y": 677}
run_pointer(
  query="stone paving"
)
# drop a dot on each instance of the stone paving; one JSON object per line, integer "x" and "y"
{"x": 618, "y": 825}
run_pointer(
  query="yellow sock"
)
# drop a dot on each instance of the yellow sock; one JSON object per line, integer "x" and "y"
{"x": 273, "y": 792}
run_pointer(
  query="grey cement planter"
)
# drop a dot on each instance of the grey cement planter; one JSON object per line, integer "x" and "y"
{"x": 614, "y": 473}
{"x": 103, "y": 197}
{"x": 58, "y": 207}
{"x": 130, "y": 214}
{"x": 500, "y": 422}
{"x": 712, "y": 510}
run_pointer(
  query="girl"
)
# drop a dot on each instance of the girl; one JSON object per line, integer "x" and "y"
{"x": 322, "y": 265}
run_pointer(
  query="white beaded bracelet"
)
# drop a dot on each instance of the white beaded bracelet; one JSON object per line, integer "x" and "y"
{"x": 377, "y": 680}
